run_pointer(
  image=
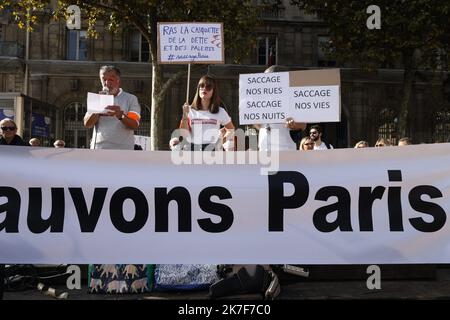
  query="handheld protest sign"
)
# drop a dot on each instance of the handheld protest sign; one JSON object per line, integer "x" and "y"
{"x": 306, "y": 96}
{"x": 190, "y": 43}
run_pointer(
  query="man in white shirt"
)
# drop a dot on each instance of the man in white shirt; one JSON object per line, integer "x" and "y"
{"x": 315, "y": 132}
{"x": 115, "y": 128}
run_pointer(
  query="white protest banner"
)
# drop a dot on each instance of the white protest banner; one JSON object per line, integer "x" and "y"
{"x": 342, "y": 206}
{"x": 190, "y": 42}
{"x": 306, "y": 96}
{"x": 96, "y": 103}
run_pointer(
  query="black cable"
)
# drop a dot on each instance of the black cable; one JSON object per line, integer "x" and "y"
{"x": 23, "y": 277}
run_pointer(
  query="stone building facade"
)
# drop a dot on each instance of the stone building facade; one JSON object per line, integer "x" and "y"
{"x": 63, "y": 66}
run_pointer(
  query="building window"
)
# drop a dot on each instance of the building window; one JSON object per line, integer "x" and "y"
{"x": 75, "y": 133}
{"x": 272, "y": 9}
{"x": 442, "y": 126}
{"x": 387, "y": 125}
{"x": 1, "y": 32}
{"x": 267, "y": 50}
{"x": 144, "y": 124}
{"x": 139, "y": 48}
{"x": 77, "y": 45}
{"x": 325, "y": 52}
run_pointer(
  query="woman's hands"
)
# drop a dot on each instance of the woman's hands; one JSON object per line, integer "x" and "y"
{"x": 185, "y": 117}
{"x": 185, "y": 110}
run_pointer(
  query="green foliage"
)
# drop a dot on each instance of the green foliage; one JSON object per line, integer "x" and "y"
{"x": 239, "y": 17}
{"x": 406, "y": 27}
{"x": 24, "y": 11}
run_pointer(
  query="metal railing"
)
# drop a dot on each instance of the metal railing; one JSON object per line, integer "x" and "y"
{"x": 273, "y": 12}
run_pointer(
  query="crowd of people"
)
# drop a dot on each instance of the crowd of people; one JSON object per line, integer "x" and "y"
{"x": 9, "y": 136}
{"x": 210, "y": 128}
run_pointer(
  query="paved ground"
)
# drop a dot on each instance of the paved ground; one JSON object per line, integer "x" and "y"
{"x": 431, "y": 288}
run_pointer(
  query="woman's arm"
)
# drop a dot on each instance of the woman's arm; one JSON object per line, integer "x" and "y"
{"x": 185, "y": 119}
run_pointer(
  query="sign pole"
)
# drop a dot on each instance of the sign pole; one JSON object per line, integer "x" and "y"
{"x": 188, "y": 81}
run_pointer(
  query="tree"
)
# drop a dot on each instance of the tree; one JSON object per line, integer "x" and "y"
{"x": 413, "y": 32}
{"x": 239, "y": 20}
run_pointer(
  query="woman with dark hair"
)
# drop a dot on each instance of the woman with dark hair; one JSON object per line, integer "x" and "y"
{"x": 204, "y": 117}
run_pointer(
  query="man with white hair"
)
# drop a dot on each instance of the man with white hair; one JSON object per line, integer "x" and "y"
{"x": 114, "y": 128}
{"x": 35, "y": 142}
{"x": 8, "y": 134}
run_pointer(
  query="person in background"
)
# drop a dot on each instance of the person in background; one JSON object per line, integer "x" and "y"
{"x": 361, "y": 144}
{"x": 315, "y": 132}
{"x": 114, "y": 129}
{"x": 405, "y": 141}
{"x": 306, "y": 144}
{"x": 204, "y": 117}
{"x": 8, "y": 132}
{"x": 35, "y": 142}
{"x": 382, "y": 142}
{"x": 59, "y": 144}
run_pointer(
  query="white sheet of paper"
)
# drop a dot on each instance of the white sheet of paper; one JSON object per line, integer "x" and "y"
{"x": 96, "y": 103}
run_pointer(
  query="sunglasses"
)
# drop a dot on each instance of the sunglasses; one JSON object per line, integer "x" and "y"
{"x": 8, "y": 128}
{"x": 308, "y": 144}
{"x": 207, "y": 87}
{"x": 380, "y": 145}
{"x": 313, "y": 133}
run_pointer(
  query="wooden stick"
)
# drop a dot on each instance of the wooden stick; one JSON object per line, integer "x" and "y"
{"x": 188, "y": 81}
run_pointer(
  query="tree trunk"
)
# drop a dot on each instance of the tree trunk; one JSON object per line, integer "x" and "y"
{"x": 157, "y": 120}
{"x": 408, "y": 81}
